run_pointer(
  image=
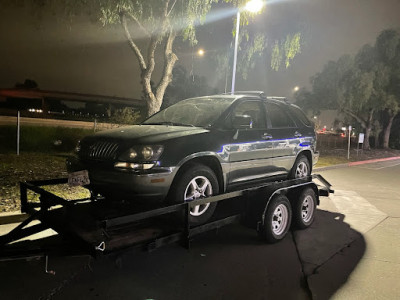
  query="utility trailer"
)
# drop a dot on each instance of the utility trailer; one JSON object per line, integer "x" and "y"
{"x": 98, "y": 226}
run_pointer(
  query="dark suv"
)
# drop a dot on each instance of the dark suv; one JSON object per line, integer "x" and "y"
{"x": 199, "y": 147}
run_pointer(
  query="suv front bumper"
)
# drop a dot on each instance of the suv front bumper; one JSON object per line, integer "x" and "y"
{"x": 154, "y": 183}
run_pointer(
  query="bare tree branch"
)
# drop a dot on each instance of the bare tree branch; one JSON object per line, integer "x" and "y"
{"x": 166, "y": 8}
{"x": 172, "y": 7}
{"x": 133, "y": 17}
{"x": 135, "y": 48}
{"x": 151, "y": 62}
{"x": 359, "y": 119}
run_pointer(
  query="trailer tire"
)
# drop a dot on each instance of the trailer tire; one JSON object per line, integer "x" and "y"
{"x": 277, "y": 219}
{"x": 304, "y": 208}
{"x": 197, "y": 181}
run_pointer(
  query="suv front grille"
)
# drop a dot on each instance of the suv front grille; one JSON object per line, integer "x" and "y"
{"x": 100, "y": 150}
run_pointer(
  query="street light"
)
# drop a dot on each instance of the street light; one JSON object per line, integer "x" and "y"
{"x": 251, "y": 6}
{"x": 200, "y": 52}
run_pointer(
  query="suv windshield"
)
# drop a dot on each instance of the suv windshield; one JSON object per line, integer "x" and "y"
{"x": 201, "y": 112}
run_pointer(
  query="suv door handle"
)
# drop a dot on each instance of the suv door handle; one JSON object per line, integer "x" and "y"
{"x": 297, "y": 134}
{"x": 266, "y": 136}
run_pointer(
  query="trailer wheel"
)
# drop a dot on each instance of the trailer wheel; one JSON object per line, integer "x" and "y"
{"x": 197, "y": 181}
{"x": 301, "y": 168}
{"x": 304, "y": 208}
{"x": 277, "y": 219}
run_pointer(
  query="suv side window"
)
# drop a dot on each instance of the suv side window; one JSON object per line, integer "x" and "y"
{"x": 252, "y": 109}
{"x": 277, "y": 117}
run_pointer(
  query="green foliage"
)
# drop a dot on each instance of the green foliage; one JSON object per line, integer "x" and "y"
{"x": 223, "y": 63}
{"x": 285, "y": 51}
{"x": 276, "y": 57}
{"x": 153, "y": 18}
{"x": 292, "y": 47}
{"x": 253, "y": 50}
{"x": 126, "y": 115}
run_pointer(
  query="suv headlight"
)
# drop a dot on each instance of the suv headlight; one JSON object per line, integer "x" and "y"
{"x": 147, "y": 153}
{"x": 140, "y": 157}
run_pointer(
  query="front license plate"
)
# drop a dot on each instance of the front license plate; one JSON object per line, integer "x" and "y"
{"x": 79, "y": 178}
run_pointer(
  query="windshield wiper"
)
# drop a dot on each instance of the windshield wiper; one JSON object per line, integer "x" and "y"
{"x": 170, "y": 124}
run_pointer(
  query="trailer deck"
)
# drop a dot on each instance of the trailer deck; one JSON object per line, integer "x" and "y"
{"x": 100, "y": 226}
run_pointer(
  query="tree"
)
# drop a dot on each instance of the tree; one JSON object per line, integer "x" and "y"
{"x": 365, "y": 87}
{"x": 161, "y": 23}
{"x": 388, "y": 55}
{"x": 356, "y": 99}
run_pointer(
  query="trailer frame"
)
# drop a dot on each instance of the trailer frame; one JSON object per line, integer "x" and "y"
{"x": 84, "y": 228}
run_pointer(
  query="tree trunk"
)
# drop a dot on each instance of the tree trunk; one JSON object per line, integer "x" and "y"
{"x": 367, "y": 146}
{"x": 388, "y": 128}
{"x": 368, "y": 129}
{"x": 376, "y": 138}
{"x": 146, "y": 67}
{"x": 169, "y": 62}
{"x": 365, "y": 124}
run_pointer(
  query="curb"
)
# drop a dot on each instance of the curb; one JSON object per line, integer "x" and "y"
{"x": 356, "y": 163}
{"x": 15, "y": 217}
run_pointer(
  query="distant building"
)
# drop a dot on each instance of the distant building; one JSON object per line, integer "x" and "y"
{"x": 33, "y": 102}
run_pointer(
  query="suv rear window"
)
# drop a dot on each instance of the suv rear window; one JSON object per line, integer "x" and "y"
{"x": 300, "y": 115}
{"x": 278, "y": 117}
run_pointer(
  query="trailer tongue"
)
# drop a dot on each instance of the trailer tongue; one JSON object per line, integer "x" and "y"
{"x": 97, "y": 227}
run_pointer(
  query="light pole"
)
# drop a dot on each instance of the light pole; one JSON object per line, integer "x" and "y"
{"x": 251, "y": 6}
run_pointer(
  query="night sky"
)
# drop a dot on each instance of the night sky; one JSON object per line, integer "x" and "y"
{"x": 83, "y": 57}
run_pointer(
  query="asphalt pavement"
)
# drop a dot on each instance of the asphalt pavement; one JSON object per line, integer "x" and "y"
{"x": 351, "y": 251}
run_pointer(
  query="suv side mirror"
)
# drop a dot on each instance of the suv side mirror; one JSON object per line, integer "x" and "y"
{"x": 242, "y": 121}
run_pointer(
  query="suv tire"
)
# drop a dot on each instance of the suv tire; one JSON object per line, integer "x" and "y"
{"x": 197, "y": 181}
{"x": 301, "y": 168}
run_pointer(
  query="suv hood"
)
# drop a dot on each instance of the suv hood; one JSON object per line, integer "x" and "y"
{"x": 148, "y": 133}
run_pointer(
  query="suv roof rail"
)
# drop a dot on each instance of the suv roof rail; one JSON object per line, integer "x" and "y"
{"x": 284, "y": 99}
{"x": 248, "y": 93}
